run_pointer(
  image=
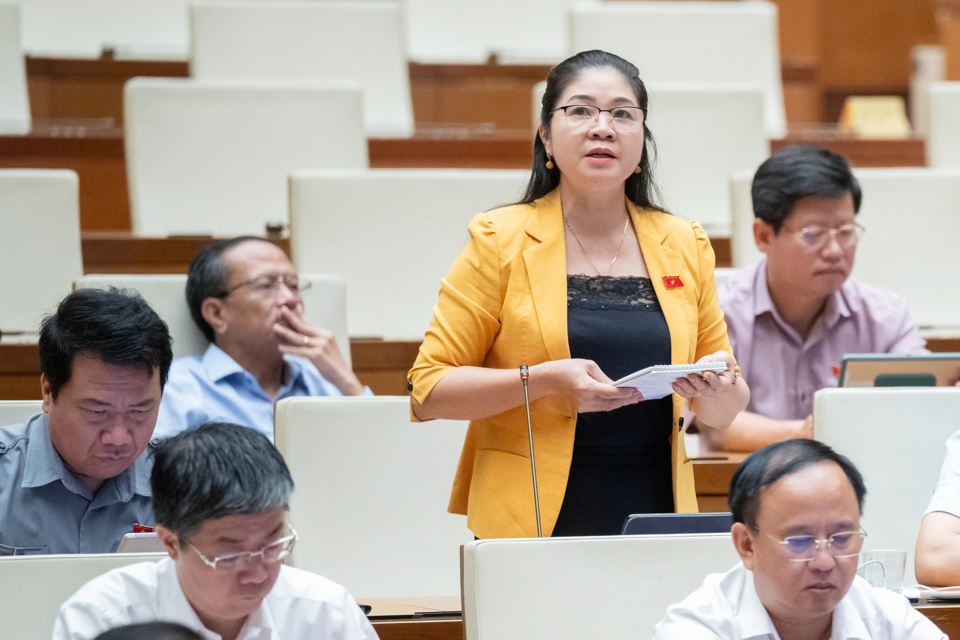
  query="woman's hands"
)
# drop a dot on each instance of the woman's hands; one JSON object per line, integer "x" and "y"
{"x": 584, "y": 383}
{"x": 708, "y": 383}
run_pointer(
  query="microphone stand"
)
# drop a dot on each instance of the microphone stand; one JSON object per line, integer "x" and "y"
{"x": 525, "y": 377}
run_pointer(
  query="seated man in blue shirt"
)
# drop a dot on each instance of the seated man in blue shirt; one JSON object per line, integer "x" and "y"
{"x": 75, "y": 478}
{"x": 244, "y": 294}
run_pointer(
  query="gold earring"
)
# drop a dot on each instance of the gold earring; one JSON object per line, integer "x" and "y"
{"x": 637, "y": 169}
{"x": 550, "y": 164}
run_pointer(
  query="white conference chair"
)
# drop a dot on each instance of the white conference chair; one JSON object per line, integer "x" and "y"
{"x": 371, "y": 494}
{"x": 929, "y": 66}
{"x": 468, "y": 32}
{"x": 212, "y": 157}
{"x": 18, "y": 411}
{"x": 33, "y": 588}
{"x": 574, "y": 588}
{"x": 307, "y": 40}
{"x": 943, "y": 137}
{"x": 145, "y": 29}
{"x": 896, "y": 438}
{"x": 701, "y": 42}
{"x": 40, "y": 245}
{"x": 705, "y": 133}
{"x": 324, "y": 302}
{"x": 392, "y": 234}
{"x": 14, "y": 100}
{"x": 743, "y": 248}
{"x": 907, "y": 212}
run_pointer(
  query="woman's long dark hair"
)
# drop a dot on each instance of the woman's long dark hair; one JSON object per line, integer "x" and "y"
{"x": 639, "y": 187}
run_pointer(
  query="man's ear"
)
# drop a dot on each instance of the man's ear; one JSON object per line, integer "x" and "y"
{"x": 46, "y": 393}
{"x": 212, "y": 311}
{"x": 743, "y": 542}
{"x": 762, "y": 234}
{"x": 169, "y": 540}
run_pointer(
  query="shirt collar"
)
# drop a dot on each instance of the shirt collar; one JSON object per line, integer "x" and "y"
{"x": 219, "y": 366}
{"x": 753, "y": 619}
{"x": 847, "y": 622}
{"x": 44, "y": 465}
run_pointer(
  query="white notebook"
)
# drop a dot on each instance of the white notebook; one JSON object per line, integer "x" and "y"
{"x": 656, "y": 382}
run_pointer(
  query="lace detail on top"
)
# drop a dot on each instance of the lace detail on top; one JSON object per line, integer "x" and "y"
{"x": 625, "y": 293}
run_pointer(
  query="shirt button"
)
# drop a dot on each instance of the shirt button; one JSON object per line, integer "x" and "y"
{"x": 155, "y": 441}
{"x": 3, "y": 447}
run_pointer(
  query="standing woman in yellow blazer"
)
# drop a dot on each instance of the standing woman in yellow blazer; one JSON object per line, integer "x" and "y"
{"x": 586, "y": 280}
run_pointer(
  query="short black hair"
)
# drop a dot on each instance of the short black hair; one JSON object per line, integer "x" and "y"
{"x": 214, "y": 471}
{"x": 800, "y": 171}
{"x": 114, "y": 325}
{"x": 640, "y": 188}
{"x": 208, "y": 278}
{"x": 765, "y": 466}
{"x": 150, "y": 631}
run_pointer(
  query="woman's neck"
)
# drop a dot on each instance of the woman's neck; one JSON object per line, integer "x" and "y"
{"x": 593, "y": 214}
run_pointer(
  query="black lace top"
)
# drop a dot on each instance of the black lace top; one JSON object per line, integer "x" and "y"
{"x": 621, "y": 459}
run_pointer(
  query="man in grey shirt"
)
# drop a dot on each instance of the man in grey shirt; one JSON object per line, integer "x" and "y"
{"x": 76, "y": 478}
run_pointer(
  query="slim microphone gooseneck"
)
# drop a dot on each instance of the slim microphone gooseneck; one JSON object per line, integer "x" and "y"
{"x": 525, "y": 377}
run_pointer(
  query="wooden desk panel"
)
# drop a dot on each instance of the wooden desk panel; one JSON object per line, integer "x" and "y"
{"x": 945, "y": 616}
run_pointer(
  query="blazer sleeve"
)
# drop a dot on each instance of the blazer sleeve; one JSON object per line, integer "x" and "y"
{"x": 466, "y": 319}
{"x": 711, "y": 328}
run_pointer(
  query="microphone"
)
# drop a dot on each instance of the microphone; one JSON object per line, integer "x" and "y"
{"x": 525, "y": 377}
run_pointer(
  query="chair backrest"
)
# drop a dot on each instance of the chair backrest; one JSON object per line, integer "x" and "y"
{"x": 464, "y": 31}
{"x": 206, "y": 156}
{"x": 325, "y": 304}
{"x": 145, "y": 29}
{"x": 943, "y": 137}
{"x": 308, "y": 40}
{"x": 929, "y": 65}
{"x": 695, "y": 157}
{"x": 698, "y": 42}
{"x": 40, "y": 244}
{"x": 895, "y": 437}
{"x": 371, "y": 494}
{"x": 667, "y": 523}
{"x": 392, "y": 234}
{"x": 14, "y": 101}
{"x": 574, "y": 588}
{"x": 32, "y": 588}
{"x": 743, "y": 248}
{"x": 17, "y": 411}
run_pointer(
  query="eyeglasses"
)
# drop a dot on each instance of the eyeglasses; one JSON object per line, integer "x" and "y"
{"x": 269, "y": 285}
{"x": 273, "y": 552}
{"x": 581, "y": 116}
{"x": 818, "y": 237}
{"x": 845, "y": 544}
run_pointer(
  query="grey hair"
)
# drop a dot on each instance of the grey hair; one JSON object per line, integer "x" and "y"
{"x": 215, "y": 471}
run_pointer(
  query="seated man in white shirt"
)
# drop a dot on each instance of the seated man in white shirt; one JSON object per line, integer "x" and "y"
{"x": 220, "y": 494}
{"x": 796, "y": 509}
{"x": 245, "y": 296}
{"x": 937, "y": 560}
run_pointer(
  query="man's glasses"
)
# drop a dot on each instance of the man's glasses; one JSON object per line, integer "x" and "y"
{"x": 816, "y": 238}
{"x": 623, "y": 119}
{"x": 269, "y": 285}
{"x": 845, "y": 544}
{"x": 273, "y": 552}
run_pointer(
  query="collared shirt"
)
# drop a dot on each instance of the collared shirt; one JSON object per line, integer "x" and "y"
{"x": 727, "y": 607}
{"x": 214, "y": 388}
{"x": 946, "y": 493}
{"x": 300, "y": 606}
{"x": 782, "y": 369}
{"x": 44, "y": 508}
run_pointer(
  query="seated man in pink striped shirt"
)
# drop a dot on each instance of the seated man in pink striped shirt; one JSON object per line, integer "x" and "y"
{"x": 793, "y": 315}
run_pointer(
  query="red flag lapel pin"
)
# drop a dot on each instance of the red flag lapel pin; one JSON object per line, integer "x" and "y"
{"x": 672, "y": 282}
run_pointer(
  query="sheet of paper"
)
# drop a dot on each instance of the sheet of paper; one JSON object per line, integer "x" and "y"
{"x": 656, "y": 382}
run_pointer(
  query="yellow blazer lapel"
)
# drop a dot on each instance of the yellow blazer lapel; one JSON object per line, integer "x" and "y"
{"x": 664, "y": 261}
{"x": 546, "y": 266}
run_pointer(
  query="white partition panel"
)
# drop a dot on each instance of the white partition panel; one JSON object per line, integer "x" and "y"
{"x": 392, "y": 234}
{"x": 703, "y": 42}
{"x": 14, "y": 102}
{"x": 943, "y": 136}
{"x": 896, "y": 438}
{"x": 39, "y": 244}
{"x": 575, "y": 588}
{"x": 309, "y": 40}
{"x": 17, "y": 411}
{"x": 371, "y": 494}
{"x": 212, "y": 157}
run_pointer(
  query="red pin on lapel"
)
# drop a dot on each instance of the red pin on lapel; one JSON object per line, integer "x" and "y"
{"x": 672, "y": 282}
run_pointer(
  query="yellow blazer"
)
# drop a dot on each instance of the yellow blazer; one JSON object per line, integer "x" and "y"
{"x": 503, "y": 304}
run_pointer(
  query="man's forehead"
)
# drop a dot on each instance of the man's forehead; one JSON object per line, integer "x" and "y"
{"x": 808, "y": 495}
{"x": 256, "y": 257}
